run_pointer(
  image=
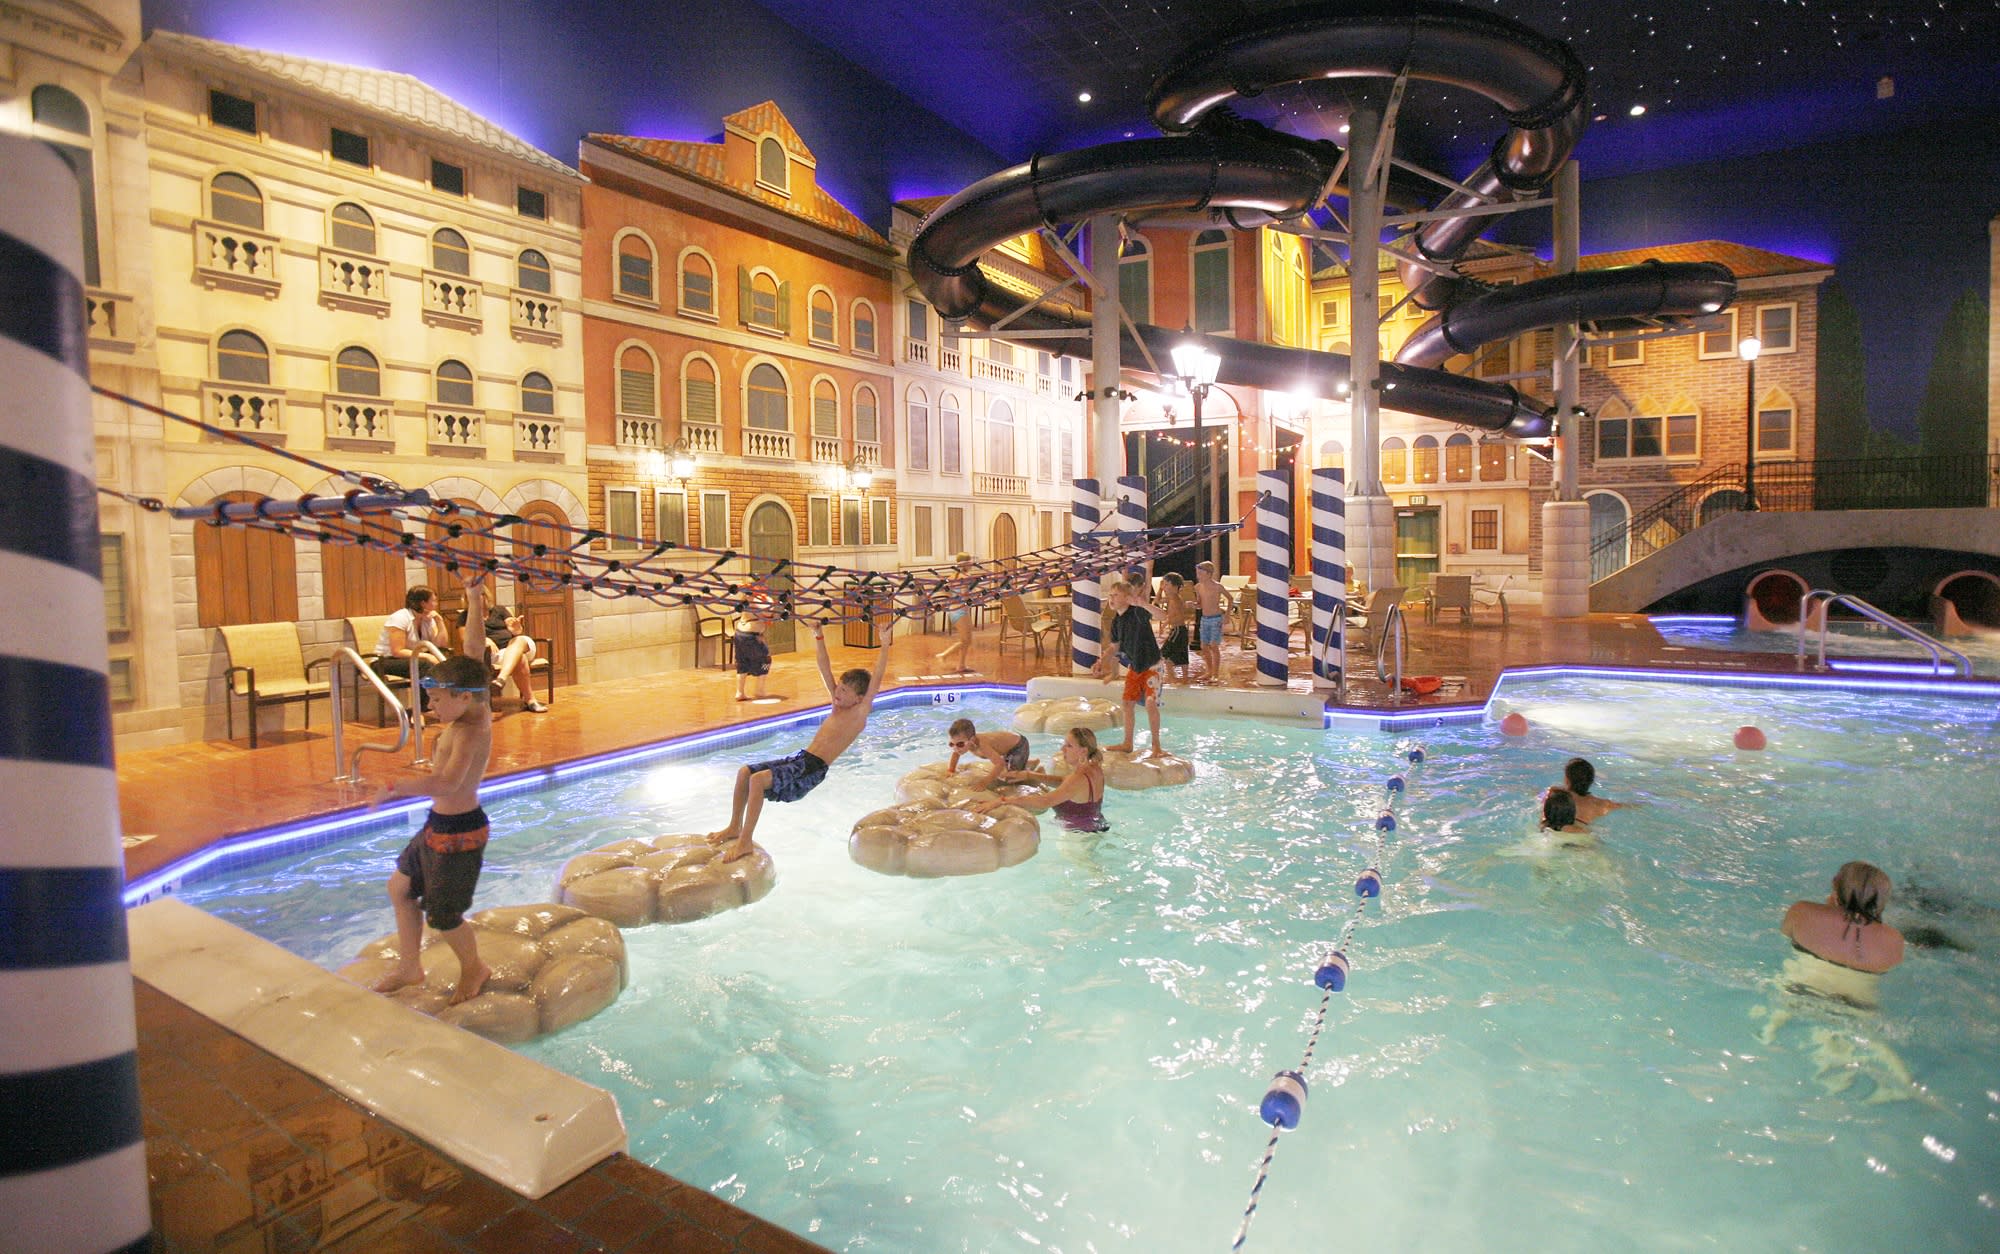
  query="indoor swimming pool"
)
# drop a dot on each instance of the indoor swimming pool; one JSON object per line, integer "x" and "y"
{"x": 1537, "y": 1049}
{"x": 1856, "y": 646}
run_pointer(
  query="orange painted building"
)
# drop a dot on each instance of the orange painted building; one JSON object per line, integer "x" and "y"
{"x": 736, "y": 317}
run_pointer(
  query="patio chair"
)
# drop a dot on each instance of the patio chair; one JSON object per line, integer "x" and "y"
{"x": 267, "y": 666}
{"x": 1495, "y": 595}
{"x": 1450, "y": 592}
{"x": 1016, "y": 627}
{"x": 1370, "y": 623}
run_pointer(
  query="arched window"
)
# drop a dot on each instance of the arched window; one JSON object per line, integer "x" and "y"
{"x": 638, "y": 383}
{"x": 867, "y": 418}
{"x": 697, "y": 285}
{"x": 538, "y": 395}
{"x": 241, "y": 357}
{"x": 950, "y": 460}
{"x": 821, "y": 307}
{"x": 243, "y": 574}
{"x": 1211, "y": 281}
{"x": 1424, "y": 459}
{"x": 352, "y": 228}
{"x": 918, "y": 451}
{"x": 1332, "y": 455}
{"x": 450, "y": 253}
{"x": 1135, "y": 279}
{"x": 765, "y": 303}
{"x": 1000, "y": 438}
{"x": 699, "y": 400}
{"x": 1458, "y": 458}
{"x": 825, "y": 411}
{"x": 635, "y": 266}
{"x": 61, "y": 111}
{"x": 454, "y": 383}
{"x": 236, "y": 200}
{"x": 864, "y": 328}
{"x": 1395, "y": 460}
{"x": 357, "y": 373}
{"x": 532, "y": 273}
{"x": 773, "y": 167}
{"x": 770, "y": 400}
{"x": 58, "y": 107}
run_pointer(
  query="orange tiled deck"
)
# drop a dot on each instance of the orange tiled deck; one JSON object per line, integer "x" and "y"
{"x": 216, "y": 1106}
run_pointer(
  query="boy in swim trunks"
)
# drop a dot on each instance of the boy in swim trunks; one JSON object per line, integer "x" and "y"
{"x": 753, "y": 654}
{"x": 1006, "y": 750}
{"x": 1129, "y": 631}
{"x": 439, "y": 868}
{"x": 790, "y": 779}
{"x": 1208, "y": 601}
{"x": 1578, "y": 777}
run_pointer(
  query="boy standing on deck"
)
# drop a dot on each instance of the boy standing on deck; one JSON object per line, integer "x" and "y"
{"x": 1208, "y": 598}
{"x": 790, "y": 779}
{"x": 1131, "y": 637}
{"x": 439, "y": 868}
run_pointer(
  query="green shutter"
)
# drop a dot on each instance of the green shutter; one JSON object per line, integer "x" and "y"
{"x": 785, "y": 307}
{"x": 743, "y": 294}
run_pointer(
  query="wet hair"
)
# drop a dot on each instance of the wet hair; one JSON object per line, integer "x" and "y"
{"x": 1086, "y": 740}
{"x": 1172, "y": 580}
{"x": 414, "y": 599}
{"x": 1558, "y": 810}
{"x": 963, "y": 727}
{"x": 1579, "y": 774}
{"x": 1204, "y": 566}
{"x": 1861, "y": 889}
{"x": 469, "y": 673}
{"x": 858, "y": 680}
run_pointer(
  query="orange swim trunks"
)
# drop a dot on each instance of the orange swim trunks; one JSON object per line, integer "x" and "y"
{"x": 1143, "y": 685}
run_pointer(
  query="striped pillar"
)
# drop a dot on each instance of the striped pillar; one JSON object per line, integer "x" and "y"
{"x": 1085, "y": 606}
{"x": 1274, "y": 566}
{"x": 1329, "y": 575}
{"x": 72, "y": 1153}
{"x": 1131, "y": 505}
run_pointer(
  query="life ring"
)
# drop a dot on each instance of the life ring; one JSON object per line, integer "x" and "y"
{"x": 929, "y": 783}
{"x": 551, "y": 965}
{"x": 668, "y": 879}
{"x": 1056, "y": 715}
{"x": 926, "y": 840}
{"x": 1422, "y": 685}
{"x": 1129, "y": 774}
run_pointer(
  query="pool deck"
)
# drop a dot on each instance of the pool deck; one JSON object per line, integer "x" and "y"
{"x": 218, "y": 1110}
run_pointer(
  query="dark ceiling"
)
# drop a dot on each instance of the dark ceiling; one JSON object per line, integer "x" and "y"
{"x": 1715, "y": 79}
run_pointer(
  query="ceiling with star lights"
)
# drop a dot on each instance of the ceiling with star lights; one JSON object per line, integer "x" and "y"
{"x": 1670, "y": 82}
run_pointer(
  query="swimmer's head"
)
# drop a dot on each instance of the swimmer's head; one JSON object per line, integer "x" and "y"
{"x": 1861, "y": 890}
{"x": 963, "y": 734}
{"x": 1579, "y": 775}
{"x": 1204, "y": 568}
{"x": 1558, "y": 810}
{"x": 1084, "y": 740}
{"x": 1172, "y": 580}
{"x": 853, "y": 686}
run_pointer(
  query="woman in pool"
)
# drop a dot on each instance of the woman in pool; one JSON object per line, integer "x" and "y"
{"x": 1559, "y": 817}
{"x": 1078, "y": 797}
{"x": 1842, "y": 944}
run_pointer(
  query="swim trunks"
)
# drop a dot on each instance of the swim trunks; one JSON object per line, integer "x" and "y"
{"x": 1143, "y": 685}
{"x": 792, "y": 777}
{"x": 753, "y": 654}
{"x": 1017, "y": 757}
{"x": 442, "y": 862}
{"x": 1176, "y": 647}
{"x": 1211, "y": 629}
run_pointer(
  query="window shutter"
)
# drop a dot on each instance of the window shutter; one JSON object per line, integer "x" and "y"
{"x": 700, "y": 401}
{"x": 867, "y": 429}
{"x": 635, "y": 392}
{"x": 785, "y": 306}
{"x": 826, "y": 417}
{"x": 743, "y": 294}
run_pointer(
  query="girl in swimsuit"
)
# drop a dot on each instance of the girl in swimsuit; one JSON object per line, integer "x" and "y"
{"x": 1845, "y": 932}
{"x": 1077, "y": 798}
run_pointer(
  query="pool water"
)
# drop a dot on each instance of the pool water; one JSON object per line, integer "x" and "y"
{"x": 1866, "y": 643}
{"x": 1556, "y": 1052}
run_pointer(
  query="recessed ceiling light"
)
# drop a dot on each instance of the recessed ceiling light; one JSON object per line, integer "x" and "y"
{"x": 1343, "y": 128}
{"x": 1638, "y": 111}
{"x": 1083, "y": 97}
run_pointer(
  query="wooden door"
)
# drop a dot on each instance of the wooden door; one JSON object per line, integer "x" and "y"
{"x": 1006, "y": 543}
{"x": 547, "y": 604}
{"x": 772, "y": 538}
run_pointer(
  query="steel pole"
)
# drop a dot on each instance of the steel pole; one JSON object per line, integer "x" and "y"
{"x": 1750, "y": 439}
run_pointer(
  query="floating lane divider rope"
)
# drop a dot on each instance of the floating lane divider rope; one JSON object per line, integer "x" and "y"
{"x": 1285, "y": 1101}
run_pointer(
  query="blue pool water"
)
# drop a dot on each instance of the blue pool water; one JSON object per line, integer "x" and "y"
{"x": 1860, "y": 643}
{"x": 1535, "y": 1051}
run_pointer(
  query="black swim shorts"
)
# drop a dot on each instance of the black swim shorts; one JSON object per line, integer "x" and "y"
{"x": 443, "y": 862}
{"x": 753, "y": 654}
{"x": 793, "y": 777}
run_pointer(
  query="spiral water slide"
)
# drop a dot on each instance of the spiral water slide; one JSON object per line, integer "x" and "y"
{"x": 1214, "y": 169}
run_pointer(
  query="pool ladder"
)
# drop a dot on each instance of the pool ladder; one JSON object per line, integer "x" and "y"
{"x": 1393, "y": 627}
{"x": 344, "y": 659}
{"x": 1828, "y": 598}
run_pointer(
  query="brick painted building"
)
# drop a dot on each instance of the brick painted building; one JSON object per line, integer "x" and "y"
{"x": 736, "y": 315}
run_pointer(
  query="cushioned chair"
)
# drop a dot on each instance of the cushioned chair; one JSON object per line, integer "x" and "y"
{"x": 1017, "y": 627}
{"x": 267, "y": 666}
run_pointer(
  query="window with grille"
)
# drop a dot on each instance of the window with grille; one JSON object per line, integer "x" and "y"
{"x": 698, "y": 394}
{"x": 232, "y": 113}
{"x": 1720, "y": 342}
{"x": 1211, "y": 281}
{"x": 532, "y": 273}
{"x": 1485, "y": 529}
{"x": 919, "y": 450}
{"x": 357, "y": 373}
{"x": 350, "y": 148}
{"x": 822, "y": 318}
{"x": 450, "y": 253}
{"x": 353, "y": 228}
{"x": 454, "y": 383}
{"x": 764, "y": 303}
{"x": 826, "y": 411}
{"x": 864, "y": 329}
{"x": 241, "y": 357}
{"x": 670, "y": 517}
{"x": 867, "y": 420}
{"x": 1683, "y": 436}
{"x": 819, "y": 521}
{"x": 635, "y": 267}
{"x": 1774, "y": 327}
{"x": 769, "y": 399}
{"x": 1395, "y": 460}
{"x": 715, "y": 520}
{"x": 236, "y": 200}
{"x": 538, "y": 395}
{"x": 697, "y": 285}
{"x": 950, "y": 460}
{"x": 1774, "y": 431}
{"x": 1458, "y": 459}
{"x": 638, "y": 393}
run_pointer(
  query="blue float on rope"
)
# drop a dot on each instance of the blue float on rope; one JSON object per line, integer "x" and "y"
{"x": 1369, "y": 884}
{"x": 1332, "y": 974}
{"x": 1385, "y": 822}
{"x": 1285, "y": 1101}
{"x": 1395, "y": 783}
{"x": 1417, "y": 754}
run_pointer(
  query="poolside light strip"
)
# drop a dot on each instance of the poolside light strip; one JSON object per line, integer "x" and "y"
{"x": 1284, "y": 1102}
{"x": 1692, "y": 620}
{"x": 171, "y": 877}
{"x": 1754, "y": 679}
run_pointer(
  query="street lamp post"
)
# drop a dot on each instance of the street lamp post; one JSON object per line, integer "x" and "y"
{"x": 1748, "y": 350}
{"x": 1196, "y": 364}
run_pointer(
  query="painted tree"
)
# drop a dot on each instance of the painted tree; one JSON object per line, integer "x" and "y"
{"x": 1842, "y": 429}
{"x": 1951, "y": 423}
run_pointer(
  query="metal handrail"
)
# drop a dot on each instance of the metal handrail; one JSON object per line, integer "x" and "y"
{"x": 1335, "y": 630}
{"x": 361, "y": 667}
{"x": 1392, "y": 625}
{"x": 1938, "y": 649}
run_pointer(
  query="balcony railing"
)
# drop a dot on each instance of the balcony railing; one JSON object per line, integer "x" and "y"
{"x": 916, "y": 352}
{"x": 826, "y": 449}
{"x": 536, "y": 316}
{"x": 360, "y": 420}
{"x": 702, "y": 437}
{"x": 353, "y": 281}
{"x": 1045, "y": 385}
{"x": 637, "y": 431}
{"x": 111, "y": 318}
{"x": 776, "y": 445}
{"x": 984, "y": 484}
{"x": 245, "y": 407}
{"x": 231, "y": 256}
{"x": 951, "y": 358}
{"x": 998, "y": 371}
{"x": 452, "y": 427}
{"x": 537, "y": 437}
{"x": 451, "y": 300}
{"x": 869, "y": 455}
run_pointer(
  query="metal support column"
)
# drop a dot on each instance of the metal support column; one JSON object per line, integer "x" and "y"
{"x": 1371, "y": 519}
{"x": 1566, "y": 516}
{"x": 1107, "y": 442}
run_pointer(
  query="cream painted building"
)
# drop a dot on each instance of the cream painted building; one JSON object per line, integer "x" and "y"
{"x": 347, "y": 263}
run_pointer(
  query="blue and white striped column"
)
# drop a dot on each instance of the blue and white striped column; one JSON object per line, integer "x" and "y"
{"x": 1131, "y": 506}
{"x": 1274, "y": 568}
{"x": 1086, "y": 608}
{"x": 72, "y": 1151}
{"x": 1329, "y": 575}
